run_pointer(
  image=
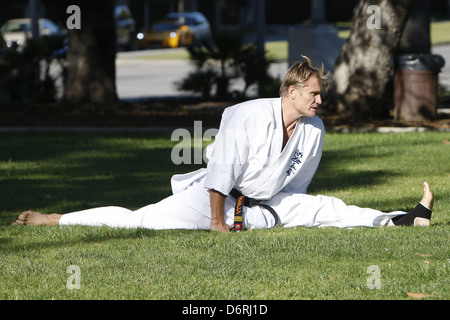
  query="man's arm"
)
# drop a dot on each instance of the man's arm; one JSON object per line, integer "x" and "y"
{"x": 217, "y": 201}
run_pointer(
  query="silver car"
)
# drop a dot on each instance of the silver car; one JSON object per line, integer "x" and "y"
{"x": 16, "y": 32}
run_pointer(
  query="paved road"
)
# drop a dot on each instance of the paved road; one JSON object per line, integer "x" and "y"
{"x": 444, "y": 76}
{"x": 138, "y": 77}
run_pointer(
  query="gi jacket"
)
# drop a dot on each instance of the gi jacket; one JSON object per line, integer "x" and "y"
{"x": 248, "y": 153}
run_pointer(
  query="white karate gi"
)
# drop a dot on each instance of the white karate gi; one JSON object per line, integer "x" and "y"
{"x": 247, "y": 155}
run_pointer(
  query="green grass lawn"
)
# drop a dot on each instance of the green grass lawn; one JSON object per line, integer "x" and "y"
{"x": 60, "y": 172}
{"x": 439, "y": 31}
{"x": 278, "y": 50}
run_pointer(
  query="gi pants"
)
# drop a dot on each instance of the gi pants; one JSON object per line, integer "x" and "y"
{"x": 190, "y": 209}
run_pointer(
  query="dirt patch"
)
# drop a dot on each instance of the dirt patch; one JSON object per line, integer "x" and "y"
{"x": 166, "y": 112}
{"x": 442, "y": 122}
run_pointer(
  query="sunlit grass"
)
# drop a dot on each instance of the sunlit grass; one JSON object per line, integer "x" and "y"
{"x": 278, "y": 50}
{"x": 60, "y": 172}
{"x": 439, "y": 31}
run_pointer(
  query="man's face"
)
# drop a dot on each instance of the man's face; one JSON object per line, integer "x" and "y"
{"x": 307, "y": 99}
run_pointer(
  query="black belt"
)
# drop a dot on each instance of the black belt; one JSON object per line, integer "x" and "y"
{"x": 242, "y": 201}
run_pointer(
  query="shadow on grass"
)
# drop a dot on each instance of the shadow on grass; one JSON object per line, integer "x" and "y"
{"x": 68, "y": 172}
{"x": 337, "y": 170}
{"x": 64, "y": 172}
{"x": 67, "y": 237}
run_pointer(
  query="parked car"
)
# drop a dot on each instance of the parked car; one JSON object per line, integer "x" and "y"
{"x": 125, "y": 28}
{"x": 176, "y": 29}
{"x": 16, "y": 32}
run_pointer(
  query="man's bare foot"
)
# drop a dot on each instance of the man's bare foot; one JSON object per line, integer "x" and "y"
{"x": 428, "y": 197}
{"x": 427, "y": 201}
{"x": 32, "y": 218}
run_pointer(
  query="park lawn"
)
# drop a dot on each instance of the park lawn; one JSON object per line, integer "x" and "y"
{"x": 278, "y": 50}
{"x": 438, "y": 31}
{"x": 60, "y": 172}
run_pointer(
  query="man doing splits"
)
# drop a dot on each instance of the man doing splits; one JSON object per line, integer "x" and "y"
{"x": 259, "y": 167}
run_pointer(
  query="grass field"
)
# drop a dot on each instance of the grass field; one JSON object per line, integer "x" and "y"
{"x": 278, "y": 50}
{"x": 61, "y": 172}
{"x": 438, "y": 31}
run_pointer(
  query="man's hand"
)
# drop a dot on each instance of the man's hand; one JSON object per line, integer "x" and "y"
{"x": 220, "y": 227}
{"x": 217, "y": 201}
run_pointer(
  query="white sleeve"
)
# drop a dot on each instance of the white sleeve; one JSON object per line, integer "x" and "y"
{"x": 228, "y": 154}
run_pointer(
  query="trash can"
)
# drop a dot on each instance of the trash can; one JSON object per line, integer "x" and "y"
{"x": 416, "y": 86}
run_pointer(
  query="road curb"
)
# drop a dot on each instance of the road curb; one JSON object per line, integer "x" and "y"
{"x": 384, "y": 129}
{"x": 171, "y": 129}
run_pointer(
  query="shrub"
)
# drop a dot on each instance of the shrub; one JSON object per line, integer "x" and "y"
{"x": 34, "y": 74}
{"x": 223, "y": 59}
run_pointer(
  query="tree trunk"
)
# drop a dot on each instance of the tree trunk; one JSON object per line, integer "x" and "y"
{"x": 416, "y": 36}
{"x": 363, "y": 69}
{"x": 415, "y": 91}
{"x": 91, "y": 73}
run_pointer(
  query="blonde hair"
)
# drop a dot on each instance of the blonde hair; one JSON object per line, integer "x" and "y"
{"x": 300, "y": 72}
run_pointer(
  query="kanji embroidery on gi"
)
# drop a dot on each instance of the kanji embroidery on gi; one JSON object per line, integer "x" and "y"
{"x": 295, "y": 161}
